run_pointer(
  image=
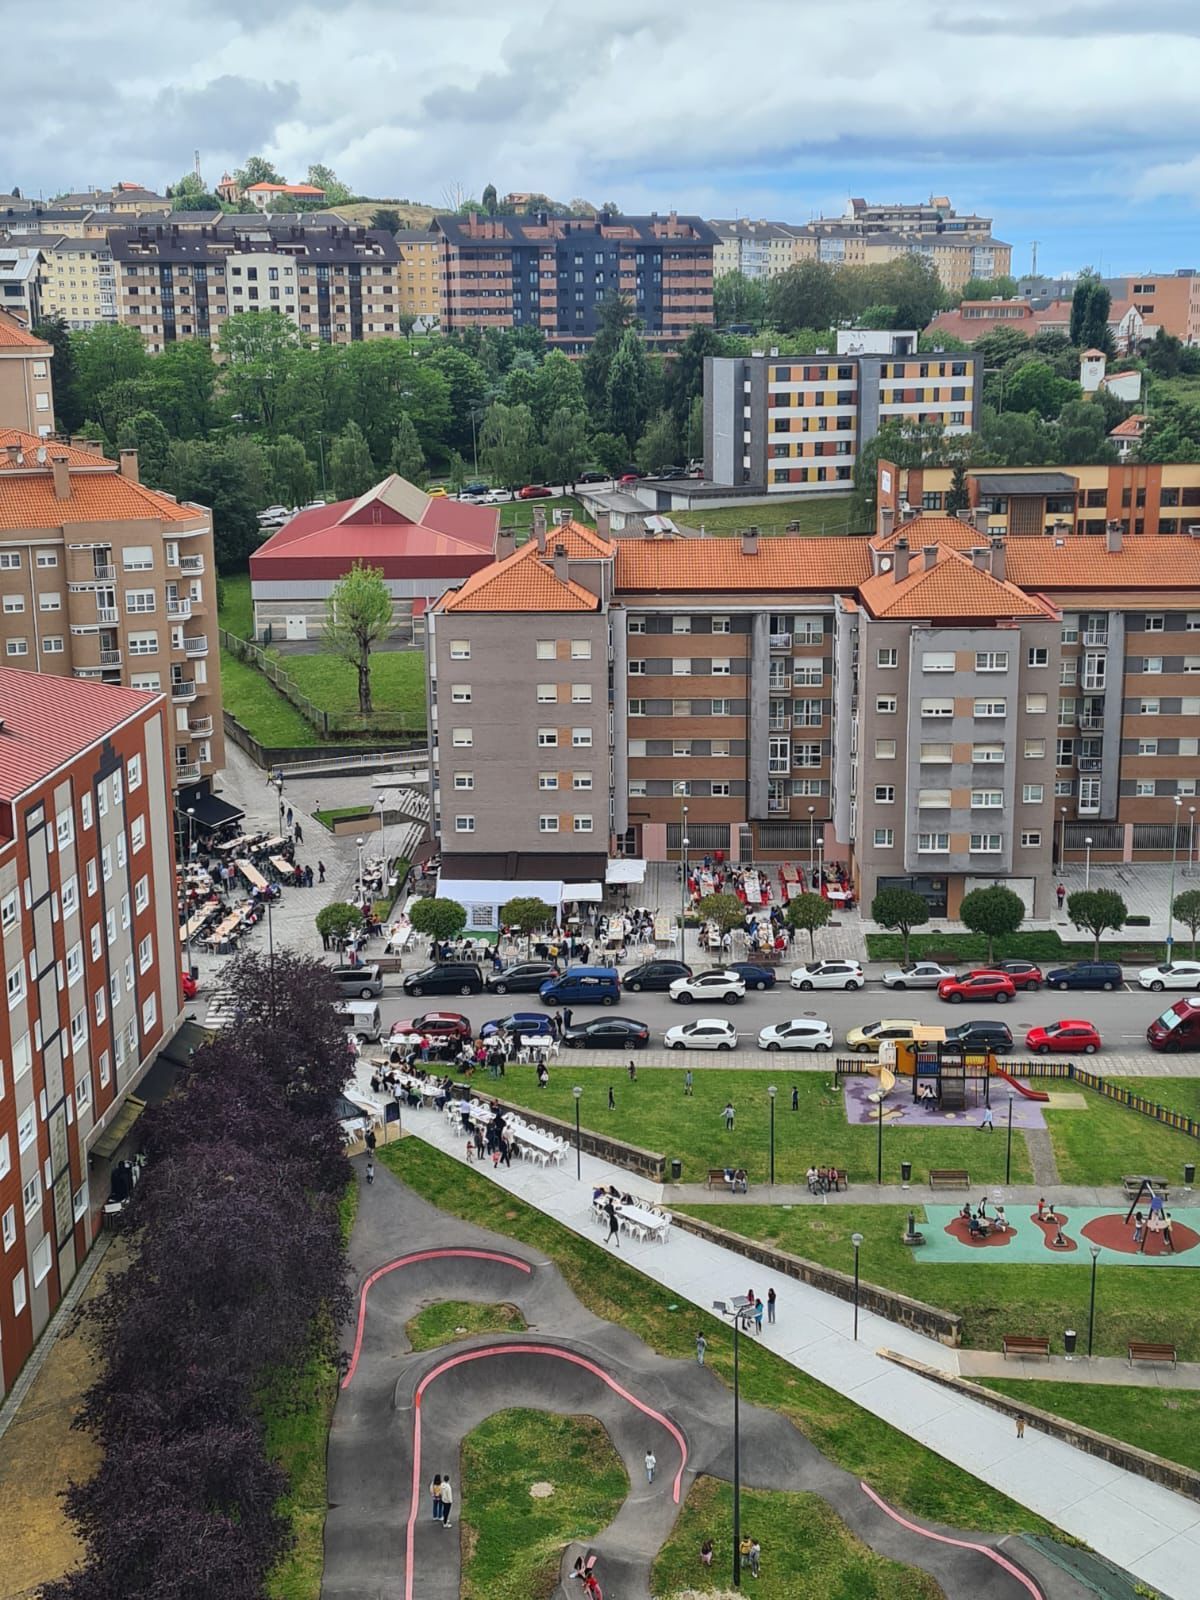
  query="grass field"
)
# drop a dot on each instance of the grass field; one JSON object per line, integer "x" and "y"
{"x": 654, "y": 1114}
{"x": 518, "y": 514}
{"x": 993, "y": 1299}
{"x": 898, "y": 1468}
{"x": 1164, "y": 1421}
{"x": 513, "y": 1543}
{"x": 260, "y": 707}
{"x": 236, "y": 613}
{"x": 460, "y": 1319}
{"x": 397, "y": 686}
{"x": 1177, "y": 1094}
{"x": 826, "y": 514}
{"x": 806, "y": 1550}
{"x": 1107, "y": 1140}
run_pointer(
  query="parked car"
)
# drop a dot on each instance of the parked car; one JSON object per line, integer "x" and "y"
{"x": 435, "y": 1026}
{"x": 755, "y": 977}
{"x": 518, "y": 1024}
{"x": 523, "y": 977}
{"x": 607, "y": 1033}
{"x": 191, "y": 986}
{"x": 362, "y": 1019}
{"x": 627, "y": 478}
{"x": 593, "y": 476}
{"x": 496, "y": 497}
{"x": 997, "y": 986}
{"x": 444, "y": 977}
{"x": 801, "y": 1033}
{"x": 438, "y": 494}
{"x": 720, "y": 985}
{"x": 476, "y": 486}
{"x": 582, "y": 986}
{"x": 655, "y": 975}
{"x": 1070, "y": 1037}
{"x": 982, "y": 1035}
{"x": 1086, "y": 975}
{"x": 534, "y": 491}
{"x": 1171, "y": 975}
{"x": 828, "y": 975}
{"x": 366, "y": 981}
{"x": 866, "y": 1039}
{"x": 706, "y": 1033}
{"x": 1178, "y": 1028}
{"x": 917, "y": 975}
{"x": 1026, "y": 975}
{"x": 669, "y": 474}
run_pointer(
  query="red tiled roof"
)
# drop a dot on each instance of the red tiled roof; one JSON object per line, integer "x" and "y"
{"x": 952, "y": 587}
{"x": 286, "y": 188}
{"x": 581, "y": 543}
{"x": 29, "y": 445}
{"x": 47, "y": 720}
{"x": 695, "y": 565}
{"x": 524, "y": 581}
{"x": 98, "y": 491}
{"x": 933, "y": 528}
{"x": 1087, "y": 563}
{"x": 1130, "y": 428}
{"x": 14, "y": 337}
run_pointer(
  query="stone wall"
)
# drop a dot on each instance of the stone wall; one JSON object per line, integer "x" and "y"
{"x": 647, "y": 1163}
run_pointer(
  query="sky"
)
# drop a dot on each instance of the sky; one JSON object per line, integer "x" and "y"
{"x": 1075, "y": 123}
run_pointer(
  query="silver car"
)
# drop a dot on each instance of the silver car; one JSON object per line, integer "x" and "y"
{"x": 917, "y": 975}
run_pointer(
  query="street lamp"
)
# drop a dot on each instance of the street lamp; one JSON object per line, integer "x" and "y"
{"x": 359, "y": 846}
{"x": 812, "y": 845}
{"x": 578, "y": 1093}
{"x": 1092, "y": 1306}
{"x": 381, "y": 804}
{"x": 879, "y": 1138}
{"x": 279, "y": 794}
{"x": 1062, "y": 839}
{"x": 724, "y": 1310}
{"x": 1187, "y": 871}
{"x": 683, "y": 883}
{"x": 1087, "y": 864}
{"x": 1171, "y": 895}
{"x": 187, "y": 923}
{"x": 1008, "y": 1152}
{"x": 856, "y": 1240}
{"x": 772, "y": 1091}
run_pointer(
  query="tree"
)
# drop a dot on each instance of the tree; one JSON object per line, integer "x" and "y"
{"x": 189, "y": 194}
{"x": 1097, "y": 911}
{"x": 559, "y": 383}
{"x": 609, "y": 453}
{"x": 996, "y": 912}
{"x": 350, "y": 465}
{"x": 739, "y": 299}
{"x": 726, "y": 910}
{"x": 628, "y": 388}
{"x": 810, "y": 912}
{"x": 336, "y": 921}
{"x": 457, "y": 472}
{"x": 988, "y": 288}
{"x": 808, "y": 295}
{"x": 902, "y": 909}
{"x": 407, "y": 458}
{"x": 526, "y": 914}
{"x": 227, "y": 477}
{"x": 358, "y": 614}
{"x": 260, "y": 351}
{"x": 658, "y": 446}
{"x": 1083, "y": 435}
{"x": 104, "y": 355}
{"x": 1090, "y": 305}
{"x": 438, "y": 919}
{"x": 1186, "y": 909}
{"x": 614, "y": 315}
{"x": 1032, "y": 386}
{"x": 489, "y": 199}
{"x": 322, "y": 177}
{"x": 257, "y": 170}
{"x": 293, "y": 477}
{"x": 958, "y": 497}
{"x": 385, "y": 220}
{"x": 565, "y": 445}
{"x": 144, "y": 433}
{"x": 507, "y": 445}
{"x": 68, "y": 410}
{"x": 684, "y": 378}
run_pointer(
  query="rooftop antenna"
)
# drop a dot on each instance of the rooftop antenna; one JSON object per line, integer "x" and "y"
{"x": 1033, "y": 244}
{"x": 196, "y": 162}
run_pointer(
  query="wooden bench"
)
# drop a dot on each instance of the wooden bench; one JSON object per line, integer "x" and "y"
{"x": 1025, "y": 1344}
{"x": 717, "y": 1179}
{"x": 1141, "y": 1351}
{"x": 949, "y": 1178}
{"x": 1132, "y": 1184}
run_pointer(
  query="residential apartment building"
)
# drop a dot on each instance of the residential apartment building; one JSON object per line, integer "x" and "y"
{"x": 77, "y": 281}
{"x": 121, "y": 200}
{"x": 20, "y": 284}
{"x": 1167, "y": 300}
{"x": 419, "y": 275}
{"x": 54, "y": 221}
{"x": 755, "y": 249}
{"x": 262, "y": 196}
{"x": 102, "y": 578}
{"x": 553, "y": 273}
{"x": 959, "y": 247}
{"x": 337, "y": 283}
{"x": 90, "y": 954}
{"x": 26, "y": 391}
{"x": 796, "y": 424}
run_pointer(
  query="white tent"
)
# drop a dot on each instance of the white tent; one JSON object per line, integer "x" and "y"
{"x": 621, "y": 870}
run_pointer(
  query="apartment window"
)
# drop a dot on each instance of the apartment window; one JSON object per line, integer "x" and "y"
{"x": 14, "y": 603}
{"x": 462, "y": 738}
{"x": 17, "y": 647}
{"x": 581, "y": 780}
{"x": 545, "y": 650}
{"x": 141, "y": 894}
{"x": 1039, "y": 656}
{"x": 26, "y": 1128}
{"x": 581, "y": 694}
{"x": 460, "y": 694}
{"x": 721, "y": 625}
{"x": 681, "y": 624}
{"x": 15, "y": 984}
{"x": 806, "y": 755}
{"x": 46, "y": 558}
{"x": 932, "y": 843}
{"x": 987, "y": 844}
{"x": 547, "y": 738}
{"x": 1185, "y": 786}
{"x": 637, "y": 788}
{"x": 1035, "y": 704}
{"x": 885, "y": 704}
{"x": 137, "y": 832}
{"x": 938, "y": 661}
{"x": 1070, "y": 629}
{"x": 807, "y": 674}
{"x": 1152, "y": 664}
{"x": 49, "y": 602}
{"x": 547, "y": 693}
{"x": 145, "y": 953}
{"x": 547, "y": 824}
{"x": 581, "y": 738}
{"x": 721, "y": 667}
{"x": 1063, "y": 786}
{"x": 464, "y": 780}
{"x": 637, "y": 667}
{"x": 885, "y": 794}
{"x": 583, "y": 824}
{"x": 1065, "y": 752}
{"x": 133, "y": 773}
{"x": 1069, "y": 671}
{"x": 937, "y": 754}
{"x": 681, "y": 667}
{"x": 885, "y": 749}
{"x": 933, "y": 799}
{"x": 9, "y": 1229}
{"x": 637, "y": 708}
{"x": 149, "y": 1018}
{"x": 91, "y": 876}
{"x": 1033, "y": 793}
{"x": 137, "y": 558}
{"x": 937, "y": 708}
{"x": 1144, "y": 787}
{"x": 987, "y": 799}
{"x": 20, "y": 1295}
{"x": 991, "y": 661}
{"x": 10, "y": 560}
{"x": 638, "y": 625}
{"x": 1031, "y": 840}
{"x": 75, "y": 963}
{"x": 52, "y": 644}
{"x": 984, "y": 754}
{"x": 717, "y": 747}
{"x": 581, "y": 650}
{"x": 885, "y": 838}
{"x": 887, "y": 657}
{"x": 991, "y": 708}
{"x": 139, "y": 600}
{"x": 460, "y": 649}
{"x": 464, "y": 824}
{"x": 8, "y": 911}
{"x": 1155, "y": 622}
{"x": 143, "y": 644}
{"x": 722, "y": 708}
{"x": 1147, "y": 747}
{"x": 1035, "y": 749}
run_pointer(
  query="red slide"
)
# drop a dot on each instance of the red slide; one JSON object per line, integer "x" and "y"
{"x": 1021, "y": 1088}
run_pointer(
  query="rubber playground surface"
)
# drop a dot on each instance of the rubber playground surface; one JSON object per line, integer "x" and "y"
{"x": 1031, "y": 1243}
{"x": 901, "y": 1110}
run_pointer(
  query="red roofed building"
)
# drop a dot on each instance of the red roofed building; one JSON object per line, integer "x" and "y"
{"x": 262, "y": 195}
{"x": 422, "y": 544}
{"x": 26, "y": 394}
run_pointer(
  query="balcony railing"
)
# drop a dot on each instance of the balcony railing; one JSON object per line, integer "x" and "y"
{"x": 779, "y": 724}
{"x": 187, "y": 771}
{"x": 110, "y": 658}
{"x": 1096, "y": 639}
{"x": 781, "y": 641}
{"x": 179, "y": 608}
{"x": 183, "y": 689}
{"x": 1090, "y": 721}
{"x": 192, "y": 564}
{"x": 108, "y": 614}
{"x": 200, "y": 727}
{"x": 196, "y": 647}
{"x": 103, "y": 573}
{"x": 1090, "y": 764}
{"x": 775, "y": 804}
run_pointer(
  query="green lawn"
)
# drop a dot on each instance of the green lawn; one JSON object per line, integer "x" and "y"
{"x": 1105, "y": 1141}
{"x": 898, "y": 1468}
{"x": 1163, "y": 1421}
{"x": 260, "y": 708}
{"x": 1177, "y": 1094}
{"x": 397, "y": 686}
{"x": 513, "y": 1543}
{"x": 993, "y": 1299}
{"x": 460, "y": 1319}
{"x": 806, "y": 1550}
{"x": 236, "y": 613}
{"x": 518, "y": 514}
{"x": 654, "y": 1114}
{"x": 826, "y": 514}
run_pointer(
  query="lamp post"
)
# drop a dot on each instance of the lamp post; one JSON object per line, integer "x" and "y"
{"x": 187, "y": 922}
{"x": 1087, "y": 863}
{"x": 578, "y": 1093}
{"x": 726, "y": 1311}
{"x": 380, "y": 804}
{"x": 879, "y": 1138}
{"x": 683, "y": 882}
{"x": 820, "y": 862}
{"x": 1092, "y": 1305}
{"x": 358, "y": 843}
{"x": 1171, "y": 894}
{"x": 856, "y": 1240}
{"x": 1008, "y": 1152}
{"x": 1187, "y": 871}
{"x": 772, "y": 1091}
{"x": 812, "y": 845}
{"x": 279, "y": 795}
{"x": 1062, "y": 839}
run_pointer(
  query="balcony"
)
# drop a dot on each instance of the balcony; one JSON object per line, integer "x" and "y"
{"x": 187, "y": 771}
{"x": 1095, "y": 639}
{"x": 779, "y": 724}
{"x": 1090, "y": 721}
{"x": 781, "y": 641}
{"x": 200, "y": 727}
{"x": 1090, "y": 763}
{"x": 194, "y": 565}
{"x": 103, "y": 572}
{"x": 776, "y": 803}
{"x": 179, "y": 608}
{"x": 195, "y": 647}
{"x": 108, "y": 614}
{"x": 110, "y": 658}
{"x": 183, "y": 689}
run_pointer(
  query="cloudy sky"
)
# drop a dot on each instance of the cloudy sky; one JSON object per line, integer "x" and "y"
{"x": 1073, "y": 122}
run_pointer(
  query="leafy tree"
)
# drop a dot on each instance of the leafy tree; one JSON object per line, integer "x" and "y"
{"x": 1083, "y": 435}
{"x": 726, "y": 910}
{"x": 185, "y": 378}
{"x": 695, "y": 430}
{"x": 358, "y": 614}
{"x": 658, "y": 446}
{"x": 222, "y": 476}
{"x": 407, "y": 458}
{"x": 958, "y": 497}
{"x": 1013, "y": 439}
{"x": 1186, "y": 909}
{"x": 1001, "y": 346}
{"x": 438, "y": 919}
{"x": 68, "y": 407}
{"x": 144, "y": 433}
{"x": 902, "y": 909}
{"x": 685, "y": 375}
{"x": 507, "y": 444}
{"x": 808, "y": 295}
{"x": 565, "y": 445}
{"x": 405, "y": 325}
{"x": 628, "y": 388}
{"x": 610, "y": 453}
{"x": 259, "y": 349}
{"x": 988, "y": 288}
{"x": 737, "y": 298}
{"x": 293, "y": 476}
{"x": 457, "y": 472}
{"x": 1032, "y": 386}
{"x": 1090, "y": 305}
{"x": 385, "y": 220}
{"x": 526, "y": 913}
{"x": 322, "y": 177}
{"x": 614, "y": 316}
{"x": 257, "y": 170}
{"x": 559, "y": 384}
{"x": 350, "y": 465}
{"x": 489, "y": 199}
{"x": 809, "y": 912}
{"x": 337, "y": 921}
{"x": 104, "y": 355}
{"x": 1097, "y": 911}
{"x": 995, "y": 912}
{"x": 189, "y": 194}
{"x": 466, "y": 390}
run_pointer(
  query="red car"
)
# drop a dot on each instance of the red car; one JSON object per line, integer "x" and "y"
{"x": 533, "y": 491}
{"x": 436, "y": 1025}
{"x": 997, "y": 986}
{"x": 190, "y": 987}
{"x": 1071, "y": 1037}
{"x": 629, "y": 477}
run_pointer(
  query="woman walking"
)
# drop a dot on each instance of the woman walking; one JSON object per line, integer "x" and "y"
{"x": 435, "y": 1491}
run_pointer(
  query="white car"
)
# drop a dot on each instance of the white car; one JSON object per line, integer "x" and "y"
{"x": 829, "y": 975}
{"x": 802, "y": 1033}
{"x": 706, "y": 1033}
{"x": 917, "y": 975}
{"x": 727, "y": 986}
{"x": 1176, "y": 975}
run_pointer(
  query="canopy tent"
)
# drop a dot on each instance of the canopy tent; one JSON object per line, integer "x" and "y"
{"x": 622, "y": 870}
{"x": 211, "y": 812}
{"x": 483, "y": 897}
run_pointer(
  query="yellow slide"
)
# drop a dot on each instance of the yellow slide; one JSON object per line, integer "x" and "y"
{"x": 887, "y": 1082}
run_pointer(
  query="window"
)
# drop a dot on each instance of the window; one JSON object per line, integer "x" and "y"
{"x": 1155, "y": 622}
{"x": 20, "y": 1296}
{"x": 460, "y": 649}
{"x": 464, "y": 780}
{"x": 1069, "y": 671}
{"x": 460, "y": 694}
{"x": 15, "y": 984}
{"x": 581, "y": 780}
{"x": 885, "y": 704}
{"x": 64, "y": 827}
{"x": 1151, "y": 664}
{"x": 932, "y": 843}
{"x": 637, "y": 788}
{"x": 1066, "y": 711}
{"x": 14, "y": 603}
{"x": 885, "y": 838}
{"x": 1144, "y": 787}
{"x": 937, "y": 708}
{"x": 1185, "y": 786}
{"x": 991, "y": 661}
{"x": 47, "y": 558}
{"x": 1147, "y": 747}
{"x": 1064, "y": 752}
{"x": 991, "y": 708}
{"x": 547, "y": 693}
{"x": 885, "y": 794}
{"x": 10, "y": 560}
{"x": 583, "y": 824}
{"x": 8, "y": 911}
{"x": 637, "y": 667}
{"x": 133, "y": 773}
{"x": 886, "y": 658}
{"x": 31, "y": 1196}
{"x": 807, "y": 674}
{"x": 937, "y": 754}
{"x": 987, "y": 799}
{"x": 721, "y": 625}
{"x": 1038, "y": 656}
{"x": 722, "y": 708}
{"x": 1063, "y": 786}
{"x": 581, "y": 738}
{"x": 137, "y": 558}
{"x": 1031, "y": 840}
{"x": 933, "y": 799}
{"x": 937, "y": 661}
{"x": 681, "y": 667}
{"x": 1148, "y": 708}
{"x": 464, "y": 824}
{"x": 26, "y": 1127}
{"x": 638, "y": 625}
{"x": 1035, "y": 749}
{"x": 139, "y": 600}
{"x": 722, "y": 667}
{"x": 544, "y": 650}
{"x": 986, "y": 754}
{"x": 986, "y": 844}
{"x": 547, "y": 824}
{"x": 681, "y": 624}
{"x": 637, "y": 708}
{"x": 1070, "y": 629}
{"x": 1036, "y": 704}
{"x": 49, "y": 602}
{"x": 1033, "y": 794}
{"x": 581, "y": 694}
{"x": 9, "y": 1227}
{"x": 52, "y": 644}
{"x": 806, "y": 755}
{"x": 137, "y": 832}
{"x": 145, "y": 953}
{"x": 581, "y": 650}
{"x": 149, "y": 1018}
{"x": 141, "y": 894}
{"x": 16, "y": 647}
{"x": 885, "y": 749}
{"x": 143, "y": 644}
{"x": 462, "y": 738}
{"x": 75, "y": 963}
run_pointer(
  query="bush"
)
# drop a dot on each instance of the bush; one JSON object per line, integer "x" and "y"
{"x": 1029, "y": 946}
{"x": 1137, "y": 922}
{"x": 337, "y": 919}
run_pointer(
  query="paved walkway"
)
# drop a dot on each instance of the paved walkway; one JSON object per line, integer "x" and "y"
{"x": 895, "y": 1194}
{"x": 1149, "y": 1530}
{"x": 1097, "y": 1369}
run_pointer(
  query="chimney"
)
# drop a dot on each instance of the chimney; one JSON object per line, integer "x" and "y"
{"x": 1113, "y": 531}
{"x": 129, "y": 466}
{"x": 999, "y": 560}
{"x": 982, "y": 514}
{"x": 901, "y": 554}
{"x": 562, "y": 567}
{"x": 539, "y": 529}
{"x": 750, "y": 542}
{"x": 930, "y": 552}
{"x": 966, "y": 515}
{"x": 604, "y": 524}
{"x": 62, "y": 475}
{"x": 506, "y": 544}
{"x": 980, "y": 557}
{"x": 887, "y": 520}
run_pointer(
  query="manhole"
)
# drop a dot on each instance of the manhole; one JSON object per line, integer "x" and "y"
{"x": 541, "y": 1491}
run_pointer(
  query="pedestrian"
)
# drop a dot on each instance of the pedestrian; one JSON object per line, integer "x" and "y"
{"x": 566, "y": 1017}
{"x": 614, "y": 1229}
{"x": 770, "y": 1305}
{"x": 298, "y": 834}
{"x": 1020, "y": 1426}
{"x": 651, "y": 1463}
{"x": 706, "y": 1553}
{"x": 632, "y": 1070}
{"x": 728, "y": 1114}
{"x": 370, "y": 1141}
{"x": 289, "y": 816}
{"x": 687, "y": 1084}
{"x": 986, "y": 1126}
{"x": 758, "y": 1317}
{"x": 435, "y": 1489}
{"x": 591, "y": 1588}
{"x": 1061, "y": 893}
{"x": 320, "y": 871}
{"x": 1168, "y": 1238}
{"x": 755, "y": 1555}
{"x": 701, "y": 1347}
{"x": 612, "y": 1099}
{"x": 370, "y": 1168}
{"x": 447, "y": 1500}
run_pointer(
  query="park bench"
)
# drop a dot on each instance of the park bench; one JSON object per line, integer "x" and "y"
{"x": 724, "y": 1178}
{"x": 1025, "y": 1344}
{"x": 1132, "y": 1183}
{"x": 949, "y": 1178}
{"x": 1139, "y": 1350}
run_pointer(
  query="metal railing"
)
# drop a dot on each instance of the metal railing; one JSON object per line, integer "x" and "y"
{"x": 108, "y": 614}
{"x": 200, "y": 727}
{"x": 179, "y": 608}
{"x": 196, "y": 647}
{"x": 183, "y": 689}
{"x": 192, "y": 564}
{"x": 187, "y": 771}
{"x": 110, "y": 658}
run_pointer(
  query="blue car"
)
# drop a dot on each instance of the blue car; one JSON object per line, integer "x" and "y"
{"x": 756, "y": 977}
{"x": 520, "y": 1024}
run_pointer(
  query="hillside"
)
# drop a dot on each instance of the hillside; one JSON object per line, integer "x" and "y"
{"x": 412, "y": 215}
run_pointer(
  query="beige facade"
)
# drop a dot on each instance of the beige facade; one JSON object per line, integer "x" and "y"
{"x": 755, "y": 249}
{"x": 419, "y": 275}
{"x": 78, "y": 282}
{"x": 26, "y": 391}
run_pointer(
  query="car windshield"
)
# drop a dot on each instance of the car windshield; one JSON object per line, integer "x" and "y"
{"x": 1170, "y": 1019}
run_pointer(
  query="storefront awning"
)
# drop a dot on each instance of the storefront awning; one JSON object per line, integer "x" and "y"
{"x": 622, "y": 870}
{"x": 113, "y": 1137}
{"x": 210, "y": 810}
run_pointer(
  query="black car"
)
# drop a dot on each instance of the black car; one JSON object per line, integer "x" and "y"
{"x": 1087, "y": 975}
{"x": 982, "y": 1035}
{"x": 523, "y": 977}
{"x": 756, "y": 977}
{"x": 445, "y": 977}
{"x": 593, "y": 477}
{"x": 607, "y": 1033}
{"x": 655, "y": 975}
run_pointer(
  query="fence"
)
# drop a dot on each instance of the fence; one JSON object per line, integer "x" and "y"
{"x": 339, "y": 757}
{"x": 328, "y": 725}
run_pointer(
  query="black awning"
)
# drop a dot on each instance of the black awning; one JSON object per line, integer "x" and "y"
{"x": 211, "y": 811}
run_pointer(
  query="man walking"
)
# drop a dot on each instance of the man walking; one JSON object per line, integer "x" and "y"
{"x": 566, "y": 1017}
{"x": 614, "y": 1229}
{"x": 795, "y": 1097}
{"x": 770, "y": 1305}
{"x": 612, "y": 1099}
{"x": 320, "y": 872}
{"x": 1061, "y": 894}
{"x": 728, "y": 1114}
{"x": 986, "y": 1126}
{"x": 687, "y": 1084}
{"x": 701, "y": 1347}
{"x": 651, "y": 1463}
{"x": 447, "y": 1500}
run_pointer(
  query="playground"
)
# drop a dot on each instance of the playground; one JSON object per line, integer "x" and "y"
{"x": 1032, "y": 1241}
{"x": 900, "y": 1108}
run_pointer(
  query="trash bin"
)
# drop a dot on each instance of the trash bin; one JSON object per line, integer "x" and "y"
{"x": 676, "y": 1170}
{"x": 1189, "y": 1174}
{"x": 1069, "y": 1338}
{"x": 905, "y": 1173}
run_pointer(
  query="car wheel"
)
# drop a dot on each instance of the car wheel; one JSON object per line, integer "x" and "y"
{"x": 634, "y": 988}
{"x": 807, "y": 984}
{"x": 822, "y": 1047}
{"x": 731, "y": 999}
{"x": 1107, "y": 987}
{"x": 725, "y": 1045}
{"x": 608, "y": 1000}
{"x": 676, "y": 1044}
{"x": 955, "y": 999}
{"x": 852, "y": 985}
{"x": 760, "y": 985}
{"x": 684, "y": 999}
{"x": 1061, "y": 986}
{"x": 1089, "y": 1049}
{"x": 500, "y": 988}
{"x": 1032, "y": 988}
{"x": 364, "y": 994}
{"x": 773, "y": 1044}
{"x": 416, "y": 990}
{"x": 862, "y": 1049}
{"x": 1002, "y": 999}
{"x": 1042, "y": 1050}
{"x": 1157, "y": 986}
{"x": 895, "y": 986}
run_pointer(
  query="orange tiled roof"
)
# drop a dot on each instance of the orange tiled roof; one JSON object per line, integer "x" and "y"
{"x": 953, "y": 587}
{"x": 14, "y": 337}
{"x": 694, "y": 565}
{"x": 933, "y": 528}
{"x": 29, "y": 445}
{"x": 1087, "y": 563}
{"x": 27, "y": 500}
{"x": 1132, "y": 426}
{"x": 521, "y": 582}
{"x": 581, "y": 542}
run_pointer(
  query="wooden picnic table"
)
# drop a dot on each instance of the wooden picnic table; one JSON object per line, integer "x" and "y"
{"x": 251, "y": 874}
{"x": 224, "y": 930}
{"x": 283, "y": 866}
{"x": 194, "y": 923}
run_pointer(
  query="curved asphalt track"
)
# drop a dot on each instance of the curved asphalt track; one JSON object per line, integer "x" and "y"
{"x": 401, "y": 1417}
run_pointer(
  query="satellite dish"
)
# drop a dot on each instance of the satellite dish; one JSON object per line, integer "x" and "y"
{"x": 885, "y": 564}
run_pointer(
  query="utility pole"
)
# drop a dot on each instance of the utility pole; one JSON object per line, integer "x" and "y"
{"x": 1033, "y": 246}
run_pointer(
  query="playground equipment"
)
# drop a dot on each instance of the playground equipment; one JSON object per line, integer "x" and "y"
{"x": 1022, "y": 1089}
{"x": 887, "y": 1082}
{"x": 946, "y": 1068}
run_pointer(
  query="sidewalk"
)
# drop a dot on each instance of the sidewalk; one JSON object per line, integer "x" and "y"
{"x": 1151, "y": 1531}
{"x": 1099, "y": 1369}
{"x": 895, "y": 1194}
